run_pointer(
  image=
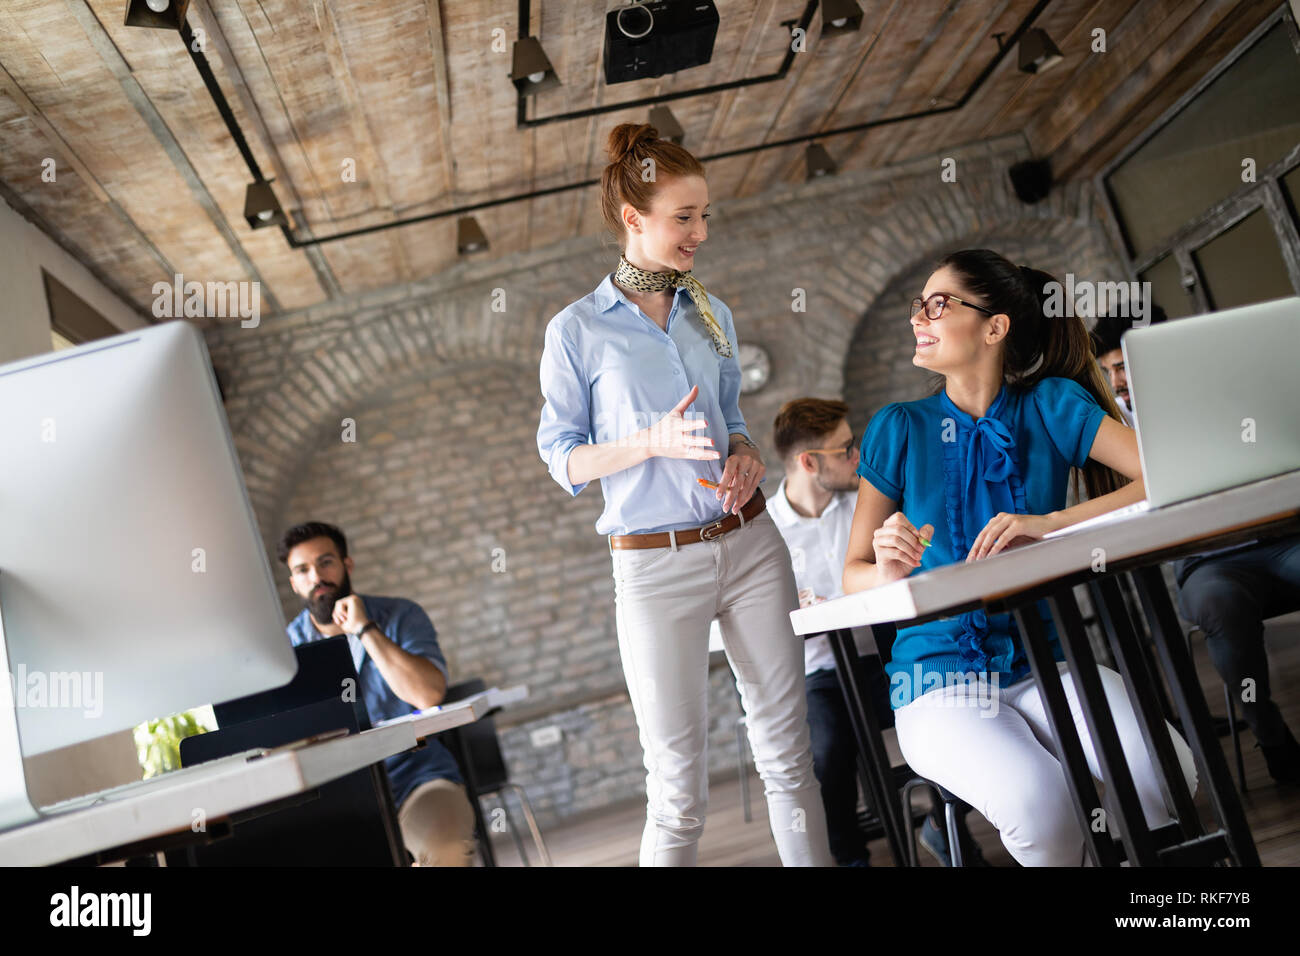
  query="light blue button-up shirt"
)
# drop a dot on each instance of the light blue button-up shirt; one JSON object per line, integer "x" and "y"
{"x": 609, "y": 371}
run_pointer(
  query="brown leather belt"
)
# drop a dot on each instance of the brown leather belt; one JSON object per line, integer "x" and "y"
{"x": 710, "y": 532}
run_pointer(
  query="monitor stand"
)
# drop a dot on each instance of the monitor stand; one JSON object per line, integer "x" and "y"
{"x": 15, "y": 802}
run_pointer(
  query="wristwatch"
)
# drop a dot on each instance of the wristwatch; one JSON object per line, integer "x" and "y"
{"x": 369, "y": 624}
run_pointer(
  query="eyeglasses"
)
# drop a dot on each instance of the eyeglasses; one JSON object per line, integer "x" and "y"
{"x": 937, "y": 302}
{"x": 849, "y": 452}
{"x": 304, "y": 569}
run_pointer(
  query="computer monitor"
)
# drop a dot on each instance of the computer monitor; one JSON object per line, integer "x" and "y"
{"x": 133, "y": 580}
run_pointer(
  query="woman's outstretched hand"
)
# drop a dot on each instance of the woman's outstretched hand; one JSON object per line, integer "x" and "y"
{"x": 898, "y": 546}
{"x": 671, "y": 437}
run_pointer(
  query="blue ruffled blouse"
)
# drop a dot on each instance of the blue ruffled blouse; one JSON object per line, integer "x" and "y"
{"x": 945, "y": 468}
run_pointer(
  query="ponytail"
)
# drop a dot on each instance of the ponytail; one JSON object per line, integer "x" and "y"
{"x": 1039, "y": 345}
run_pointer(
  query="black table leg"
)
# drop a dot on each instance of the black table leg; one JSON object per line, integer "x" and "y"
{"x": 1133, "y": 606}
{"x": 471, "y": 791}
{"x": 392, "y": 830}
{"x": 1083, "y": 789}
{"x": 873, "y": 759}
{"x": 1185, "y": 688}
{"x": 1106, "y": 744}
{"x": 1135, "y": 667}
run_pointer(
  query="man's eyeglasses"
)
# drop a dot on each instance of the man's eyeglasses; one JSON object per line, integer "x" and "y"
{"x": 323, "y": 562}
{"x": 849, "y": 452}
{"x": 937, "y": 302}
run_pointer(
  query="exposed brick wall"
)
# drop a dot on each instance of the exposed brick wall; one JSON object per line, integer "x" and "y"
{"x": 443, "y": 390}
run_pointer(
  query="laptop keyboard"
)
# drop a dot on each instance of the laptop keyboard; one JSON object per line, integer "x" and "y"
{"x": 169, "y": 779}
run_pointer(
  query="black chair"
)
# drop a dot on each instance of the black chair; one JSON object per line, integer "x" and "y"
{"x": 953, "y": 810}
{"x": 907, "y": 781}
{"x": 478, "y": 752}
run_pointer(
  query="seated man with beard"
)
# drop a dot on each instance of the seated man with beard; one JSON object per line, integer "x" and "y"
{"x": 400, "y": 669}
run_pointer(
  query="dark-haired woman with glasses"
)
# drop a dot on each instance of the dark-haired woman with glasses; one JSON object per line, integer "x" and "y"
{"x": 978, "y": 466}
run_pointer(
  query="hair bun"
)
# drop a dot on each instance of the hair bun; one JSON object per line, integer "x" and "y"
{"x": 626, "y": 137}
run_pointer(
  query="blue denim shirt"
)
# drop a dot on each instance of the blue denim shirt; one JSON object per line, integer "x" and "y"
{"x": 406, "y": 625}
{"x": 608, "y": 371}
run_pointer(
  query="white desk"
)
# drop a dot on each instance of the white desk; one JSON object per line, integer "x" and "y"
{"x": 230, "y": 785}
{"x": 475, "y": 707}
{"x": 947, "y": 589}
{"x": 1017, "y": 578}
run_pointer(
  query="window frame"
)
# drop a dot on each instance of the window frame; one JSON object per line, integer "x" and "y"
{"x": 71, "y": 316}
{"x": 1266, "y": 193}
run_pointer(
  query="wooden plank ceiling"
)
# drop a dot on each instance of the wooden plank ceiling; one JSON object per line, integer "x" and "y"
{"x": 150, "y": 183}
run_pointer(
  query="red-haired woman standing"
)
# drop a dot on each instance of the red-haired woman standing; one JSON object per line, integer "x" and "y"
{"x": 641, "y": 385}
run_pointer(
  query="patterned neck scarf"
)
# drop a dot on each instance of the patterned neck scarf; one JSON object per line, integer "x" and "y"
{"x": 630, "y": 277}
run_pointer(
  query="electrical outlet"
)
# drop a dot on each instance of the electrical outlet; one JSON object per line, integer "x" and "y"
{"x": 546, "y": 736}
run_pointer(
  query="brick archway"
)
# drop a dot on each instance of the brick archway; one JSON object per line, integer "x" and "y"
{"x": 877, "y": 364}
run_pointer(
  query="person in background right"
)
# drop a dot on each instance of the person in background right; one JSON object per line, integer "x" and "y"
{"x": 1228, "y": 593}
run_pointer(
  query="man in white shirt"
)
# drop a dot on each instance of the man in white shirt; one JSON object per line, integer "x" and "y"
{"x": 813, "y": 508}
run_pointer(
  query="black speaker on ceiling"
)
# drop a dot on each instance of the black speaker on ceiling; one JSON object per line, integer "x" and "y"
{"x": 1031, "y": 179}
{"x": 645, "y": 40}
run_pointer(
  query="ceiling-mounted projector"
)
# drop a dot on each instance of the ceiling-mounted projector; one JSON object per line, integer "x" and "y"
{"x": 646, "y": 40}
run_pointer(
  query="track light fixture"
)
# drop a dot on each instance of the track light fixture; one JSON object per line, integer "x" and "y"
{"x": 261, "y": 208}
{"x": 160, "y": 14}
{"x": 1037, "y": 51}
{"x": 531, "y": 71}
{"x": 663, "y": 120}
{"x": 818, "y": 161}
{"x": 470, "y": 236}
{"x": 840, "y": 16}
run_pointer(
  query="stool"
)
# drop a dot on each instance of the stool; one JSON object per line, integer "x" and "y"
{"x": 952, "y": 805}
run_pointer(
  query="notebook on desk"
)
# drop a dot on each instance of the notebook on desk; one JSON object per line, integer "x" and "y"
{"x": 1217, "y": 403}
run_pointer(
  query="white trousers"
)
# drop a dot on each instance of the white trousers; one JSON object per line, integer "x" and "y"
{"x": 666, "y": 600}
{"x": 996, "y": 753}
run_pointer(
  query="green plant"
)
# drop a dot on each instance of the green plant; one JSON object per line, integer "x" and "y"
{"x": 158, "y": 742}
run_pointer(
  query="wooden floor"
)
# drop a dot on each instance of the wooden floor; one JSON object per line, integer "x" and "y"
{"x": 612, "y": 836}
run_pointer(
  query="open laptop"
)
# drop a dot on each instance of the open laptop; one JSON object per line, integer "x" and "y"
{"x": 1217, "y": 402}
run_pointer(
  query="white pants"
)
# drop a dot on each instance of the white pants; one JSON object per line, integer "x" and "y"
{"x": 665, "y": 602}
{"x": 1001, "y": 760}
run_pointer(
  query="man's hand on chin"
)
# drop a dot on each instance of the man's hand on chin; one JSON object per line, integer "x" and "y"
{"x": 350, "y": 614}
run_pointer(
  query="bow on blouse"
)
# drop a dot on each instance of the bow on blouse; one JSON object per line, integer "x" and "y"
{"x": 987, "y": 470}
{"x": 987, "y": 474}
